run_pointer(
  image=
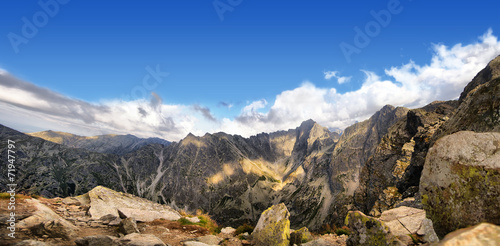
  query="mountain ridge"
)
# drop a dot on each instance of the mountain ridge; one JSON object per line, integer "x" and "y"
{"x": 320, "y": 175}
{"x": 108, "y": 144}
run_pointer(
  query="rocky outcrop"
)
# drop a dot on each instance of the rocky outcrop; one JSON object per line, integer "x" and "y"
{"x": 392, "y": 173}
{"x": 479, "y": 108}
{"x": 491, "y": 71}
{"x": 406, "y": 221}
{"x": 484, "y": 234}
{"x": 460, "y": 183}
{"x": 273, "y": 227}
{"x": 104, "y": 202}
{"x": 367, "y": 230}
{"x": 44, "y": 221}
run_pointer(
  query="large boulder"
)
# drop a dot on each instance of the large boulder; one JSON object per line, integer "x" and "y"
{"x": 460, "y": 183}
{"x": 273, "y": 227}
{"x": 104, "y": 201}
{"x": 44, "y": 221}
{"x": 404, "y": 221}
{"x": 484, "y": 234}
{"x": 366, "y": 230}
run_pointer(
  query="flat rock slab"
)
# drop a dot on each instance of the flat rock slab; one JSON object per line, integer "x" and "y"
{"x": 409, "y": 219}
{"x": 104, "y": 201}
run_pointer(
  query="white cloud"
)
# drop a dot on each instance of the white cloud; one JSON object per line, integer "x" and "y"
{"x": 254, "y": 107}
{"x": 21, "y": 102}
{"x": 411, "y": 85}
{"x": 334, "y": 74}
{"x": 330, "y": 74}
{"x": 342, "y": 80}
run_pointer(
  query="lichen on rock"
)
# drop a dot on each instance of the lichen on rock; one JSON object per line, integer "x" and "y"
{"x": 273, "y": 227}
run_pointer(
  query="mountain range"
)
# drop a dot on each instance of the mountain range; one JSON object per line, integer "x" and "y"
{"x": 320, "y": 175}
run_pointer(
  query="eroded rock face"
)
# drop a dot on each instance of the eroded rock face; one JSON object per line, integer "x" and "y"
{"x": 273, "y": 227}
{"x": 366, "y": 230}
{"x": 392, "y": 173}
{"x": 460, "y": 183}
{"x": 105, "y": 202}
{"x": 479, "y": 108}
{"x": 484, "y": 234}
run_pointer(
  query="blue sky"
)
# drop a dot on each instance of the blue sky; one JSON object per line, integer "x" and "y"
{"x": 261, "y": 67}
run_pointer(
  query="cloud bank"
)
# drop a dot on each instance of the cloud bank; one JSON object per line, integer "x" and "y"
{"x": 411, "y": 85}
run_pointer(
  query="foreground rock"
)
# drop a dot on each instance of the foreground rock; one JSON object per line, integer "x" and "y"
{"x": 366, "y": 230}
{"x": 300, "y": 236}
{"x": 97, "y": 240}
{"x": 104, "y": 202}
{"x": 204, "y": 240}
{"x": 128, "y": 226}
{"x": 484, "y": 234}
{"x": 460, "y": 183}
{"x": 405, "y": 221}
{"x": 273, "y": 227}
{"x": 44, "y": 221}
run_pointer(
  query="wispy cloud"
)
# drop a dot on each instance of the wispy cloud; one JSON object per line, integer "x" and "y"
{"x": 226, "y": 105}
{"x": 334, "y": 74}
{"x": 205, "y": 112}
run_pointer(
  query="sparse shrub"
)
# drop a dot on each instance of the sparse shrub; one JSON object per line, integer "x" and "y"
{"x": 244, "y": 228}
{"x": 6, "y": 196}
{"x": 327, "y": 229}
{"x": 343, "y": 231}
{"x": 185, "y": 221}
{"x": 205, "y": 221}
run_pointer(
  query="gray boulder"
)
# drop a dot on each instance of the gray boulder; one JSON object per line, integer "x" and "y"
{"x": 99, "y": 240}
{"x": 128, "y": 226}
{"x": 460, "y": 182}
{"x": 136, "y": 239}
{"x": 104, "y": 201}
{"x": 366, "y": 230}
{"x": 403, "y": 221}
{"x": 273, "y": 227}
{"x": 484, "y": 234}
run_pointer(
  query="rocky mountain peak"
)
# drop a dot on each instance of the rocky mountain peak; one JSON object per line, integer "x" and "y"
{"x": 490, "y": 72}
